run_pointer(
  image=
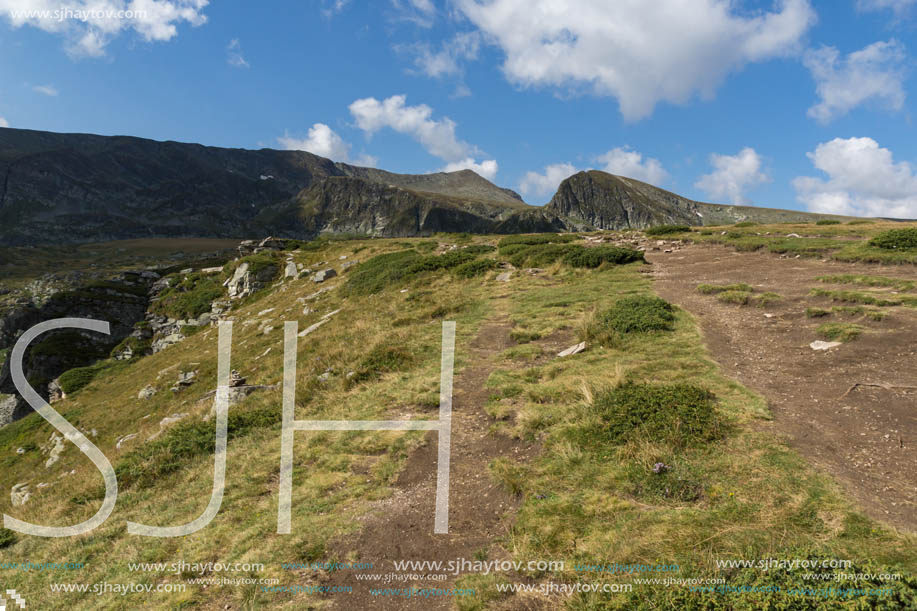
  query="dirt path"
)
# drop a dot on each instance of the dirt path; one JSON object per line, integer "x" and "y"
{"x": 401, "y": 527}
{"x": 867, "y": 439}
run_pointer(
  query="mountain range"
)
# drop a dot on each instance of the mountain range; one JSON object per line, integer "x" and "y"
{"x": 78, "y": 188}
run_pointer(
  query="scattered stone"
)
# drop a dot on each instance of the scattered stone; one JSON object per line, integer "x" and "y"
{"x": 660, "y": 467}
{"x": 20, "y": 495}
{"x": 267, "y": 311}
{"x": 146, "y": 393}
{"x": 291, "y": 271}
{"x": 820, "y": 345}
{"x": 187, "y": 270}
{"x": 184, "y": 380}
{"x": 342, "y": 257}
{"x": 793, "y": 235}
{"x": 124, "y": 439}
{"x": 573, "y": 349}
{"x": 54, "y": 448}
{"x": 505, "y": 276}
{"x": 20, "y": 450}
{"x": 236, "y": 379}
{"x": 325, "y": 274}
{"x": 769, "y": 315}
{"x": 312, "y": 328}
{"x": 324, "y": 377}
{"x": 211, "y": 270}
{"x": 170, "y": 420}
{"x": 268, "y": 329}
{"x": 330, "y": 314}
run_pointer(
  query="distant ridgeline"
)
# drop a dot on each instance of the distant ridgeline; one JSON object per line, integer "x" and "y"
{"x": 78, "y": 188}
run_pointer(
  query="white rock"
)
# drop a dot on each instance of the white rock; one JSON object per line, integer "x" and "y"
{"x": 170, "y": 420}
{"x": 146, "y": 393}
{"x": 573, "y": 349}
{"x": 820, "y": 345}
{"x": 19, "y": 495}
{"x": 54, "y": 449}
{"x": 125, "y": 438}
{"x": 504, "y": 277}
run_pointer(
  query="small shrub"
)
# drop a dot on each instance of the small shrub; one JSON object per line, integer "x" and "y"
{"x": 734, "y": 297}
{"x": 475, "y": 268}
{"x": 594, "y": 257}
{"x": 861, "y": 222}
{"x": 896, "y": 239}
{"x": 827, "y": 222}
{"x": 383, "y": 358}
{"x": 7, "y": 538}
{"x": 76, "y": 379}
{"x": 639, "y": 314}
{"x": 765, "y": 299}
{"x": 447, "y": 260}
{"x": 677, "y": 483}
{"x": 189, "y": 296}
{"x": 840, "y": 331}
{"x": 817, "y": 312}
{"x": 678, "y": 414}
{"x": 666, "y": 229}
{"x": 745, "y": 224}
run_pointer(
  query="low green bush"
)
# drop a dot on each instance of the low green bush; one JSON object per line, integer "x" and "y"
{"x": 596, "y": 256}
{"x": 7, "y": 538}
{"x": 666, "y": 229}
{"x": 475, "y": 268}
{"x": 479, "y": 249}
{"x": 713, "y": 289}
{"x": 76, "y": 379}
{"x": 840, "y": 331}
{"x": 381, "y": 271}
{"x": 680, "y": 415}
{"x": 189, "y": 296}
{"x": 637, "y": 314}
{"x": 745, "y": 224}
{"x": 827, "y": 222}
{"x": 896, "y": 239}
{"x": 538, "y": 238}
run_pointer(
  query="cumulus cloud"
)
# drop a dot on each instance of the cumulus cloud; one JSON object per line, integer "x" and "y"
{"x": 47, "y": 90}
{"x": 488, "y": 169}
{"x": 863, "y": 179}
{"x": 630, "y": 163}
{"x": 874, "y": 73}
{"x": 545, "y": 183}
{"x": 367, "y": 161}
{"x": 437, "y": 136}
{"x": 234, "y": 54}
{"x": 90, "y": 25}
{"x": 640, "y": 52}
{"x": 321, "y": 141}
{"x": 732, "y": 176}
{"x": 4, "y": 122}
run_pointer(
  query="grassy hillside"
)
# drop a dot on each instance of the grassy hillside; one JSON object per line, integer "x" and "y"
{"x": 593, "y": 492}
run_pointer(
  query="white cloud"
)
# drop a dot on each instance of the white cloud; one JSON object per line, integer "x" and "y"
{"x": 4, "y": 122}
{"x": 898, "y": 6}
{"x": 333, "y": 8}
{"x": 367, "y": 161}
{"x": 447, "y": 61}
{"x": 488, "y": 168}
{"x": 321, "y": 141}
{"x": 436, "y": 135}
{"x": 732, "y": 176}
{"x": 234, "y": 54}
{"x": 630, "y": 163}
{"x": 636, "y": 51}
{"x": 546, "y": 183}
{"x": 863, "y": 180}
{"x": 418, "y": 12}
{"x": 90, "y": 25}
{"x": 873, "y": 73}
{"x": 47, "y": 90}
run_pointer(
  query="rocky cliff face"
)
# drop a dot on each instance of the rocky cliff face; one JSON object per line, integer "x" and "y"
{"x": 73, "y": 188}
{"x": 605, "y": 201}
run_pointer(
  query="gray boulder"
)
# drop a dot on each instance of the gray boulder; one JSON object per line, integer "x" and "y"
{"x": 325, "y": 274}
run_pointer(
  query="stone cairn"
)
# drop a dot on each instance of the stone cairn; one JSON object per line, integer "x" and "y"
{"x": 236, "y": 379}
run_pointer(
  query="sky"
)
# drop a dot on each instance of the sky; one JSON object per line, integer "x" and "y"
{"x": 802, "y": 104}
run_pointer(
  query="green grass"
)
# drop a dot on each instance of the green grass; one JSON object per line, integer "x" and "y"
{"x": 189, "y": 296}
{"x": 840, "y": 331}
{"x": 865, "y": 280}
{"x": 827, "y": 222}
{"x": 475, "y": 268}
{"x": 629, "y": 315}
{"x": 876, "y": 299}
{"x": 666, "y": 229}
{"x": 713, "y": 289}
{"x": 7, "y": 538}
{"x": 813, "y": 312}
{"x": 766, "y": 299}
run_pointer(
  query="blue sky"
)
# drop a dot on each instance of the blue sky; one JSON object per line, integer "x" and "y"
{"x": 802, "y": 104}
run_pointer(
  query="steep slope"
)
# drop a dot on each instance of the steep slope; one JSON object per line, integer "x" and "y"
{"x": 606, "y": 201}
{"x": 75, "y": 188}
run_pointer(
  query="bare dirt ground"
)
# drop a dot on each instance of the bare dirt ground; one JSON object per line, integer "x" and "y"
{"x": 480, "y": 511}
{"x": 865, "y": 438}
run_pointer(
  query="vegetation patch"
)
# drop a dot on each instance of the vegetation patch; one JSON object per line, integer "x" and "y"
{"x": 734, "y": 297}
{"x": 767, "y": 298}
{"x": 679, "y": 415}
{"x": 817, "y": 312}
{"x": 840, "y": 331}
{"x": 384, "y": 358}
{"x": 745, "y": 224}
{"x": 7, "y": 538}
{"x": 536, "y": 239}
{"x": 188, "y": 296}
{"x": 374, "y": 275}
{"x": 857, "y": 297}
{"x": 666, "y": 229}
{"x": 864, "y": 280}
{"x": 475, "y": 268}
{"x": 713, "y": 289}
{"x": 594, "y": 257}
{"x": 827, "y": 222}
{"x": 896, "y": 239}
{"x": 638, "y": 314}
